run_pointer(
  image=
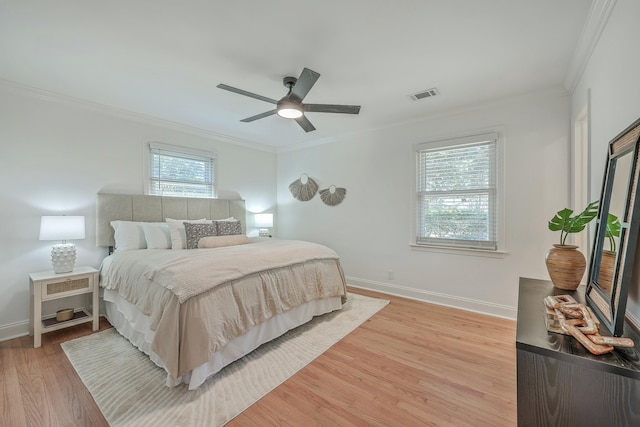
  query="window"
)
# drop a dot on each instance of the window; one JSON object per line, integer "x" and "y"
{"x": 457, "y": 193}
{"x": 177, "y": 171}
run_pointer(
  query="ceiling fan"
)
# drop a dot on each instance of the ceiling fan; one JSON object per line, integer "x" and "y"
{"x": 291, "y": 106}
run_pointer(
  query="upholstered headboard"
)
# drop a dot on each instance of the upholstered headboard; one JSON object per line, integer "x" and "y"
{"x": 112, "y": 207}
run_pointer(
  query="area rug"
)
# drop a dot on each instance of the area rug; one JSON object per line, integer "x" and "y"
{"x": 130, "y": 389}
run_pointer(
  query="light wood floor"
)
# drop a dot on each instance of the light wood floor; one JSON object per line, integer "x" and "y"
{"x": 412, "y": 364}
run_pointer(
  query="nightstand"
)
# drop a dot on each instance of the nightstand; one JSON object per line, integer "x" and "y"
{"x": 47, "y": 286}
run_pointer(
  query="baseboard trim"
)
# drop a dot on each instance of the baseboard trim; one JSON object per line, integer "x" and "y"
{"x": 14, "y": 330}
{"x": 467, "y": 304}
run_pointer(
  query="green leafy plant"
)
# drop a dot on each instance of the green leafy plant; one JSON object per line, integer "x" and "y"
{"x": 613, "y": 231}
{"x": 566, "y": 224}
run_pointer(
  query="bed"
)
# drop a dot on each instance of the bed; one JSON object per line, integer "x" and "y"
{"x": 195, "y": 310}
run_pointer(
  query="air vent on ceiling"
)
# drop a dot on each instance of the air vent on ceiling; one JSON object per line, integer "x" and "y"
{"x": 425, "y": 94}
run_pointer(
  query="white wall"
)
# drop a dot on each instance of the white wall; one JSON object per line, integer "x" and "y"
{"x": 55, "y": 156}
{"x": 371, "y": 229}
{"x": 613, "y": 75}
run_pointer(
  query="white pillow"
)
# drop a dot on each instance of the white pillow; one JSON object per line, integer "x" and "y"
{"x": 157, "y": 235}
{"x": 128, "y": 235}
{"x": 176, "y": 230}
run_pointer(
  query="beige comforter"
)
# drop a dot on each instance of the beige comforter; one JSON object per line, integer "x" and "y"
{"x": 199, "y": 300}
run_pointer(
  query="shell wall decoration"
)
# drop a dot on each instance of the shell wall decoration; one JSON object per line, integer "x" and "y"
{"x": 333, "y": 195}
{"x": 303, "y": 188}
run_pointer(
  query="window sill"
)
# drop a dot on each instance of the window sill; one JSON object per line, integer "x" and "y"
{"x": 459, "y": 251}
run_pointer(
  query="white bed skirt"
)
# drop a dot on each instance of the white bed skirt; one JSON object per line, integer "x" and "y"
{"x": 134, "y": 325}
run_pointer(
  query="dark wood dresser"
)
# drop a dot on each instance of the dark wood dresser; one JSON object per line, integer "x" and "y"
{"x": 559, "y": 382}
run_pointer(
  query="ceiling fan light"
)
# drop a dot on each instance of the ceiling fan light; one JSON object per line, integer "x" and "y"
{"x": 289, "y": 113}
{"x": 289, "y": 110}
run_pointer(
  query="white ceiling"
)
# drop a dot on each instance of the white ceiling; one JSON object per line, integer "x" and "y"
{"x": 164, "y": 58}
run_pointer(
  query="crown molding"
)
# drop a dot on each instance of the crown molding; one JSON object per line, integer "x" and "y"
{"x": 593, "y": 29}
{"x": 42, "y": 94}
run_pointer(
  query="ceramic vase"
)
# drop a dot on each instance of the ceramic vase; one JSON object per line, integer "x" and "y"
{"x": 566, "y": 265}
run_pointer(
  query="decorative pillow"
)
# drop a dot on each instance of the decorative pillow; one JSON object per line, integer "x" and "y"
{"x": 157, "y": 235}
{"x": 128, "y": 235}
{"x": 220, "y": 241}
{"x": 176, "y": 230}
{"x": 195, "y": 232}
{"x": 228, "y": 228}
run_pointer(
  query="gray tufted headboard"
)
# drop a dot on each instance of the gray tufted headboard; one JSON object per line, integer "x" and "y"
{"x": 112, "y": 207}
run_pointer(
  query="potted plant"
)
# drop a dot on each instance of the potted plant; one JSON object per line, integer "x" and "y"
{"x": 607, "y": 262}
{"x": 565, "y": 263}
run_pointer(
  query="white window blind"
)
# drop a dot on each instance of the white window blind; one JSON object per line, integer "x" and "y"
{"x": 456, "y": 193}
{"x": 173, "y": 172}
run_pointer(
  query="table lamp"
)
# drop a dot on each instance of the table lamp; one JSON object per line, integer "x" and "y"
{"x": 63, "y": 255}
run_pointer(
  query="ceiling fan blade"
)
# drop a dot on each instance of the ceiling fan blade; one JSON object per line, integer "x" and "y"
{"x": 331, "y": 108}
{"x": 305, "y": 124}
{"x": 259, "y": 116}
{"x": 245, "y": 93}
{"x": 304, "y": 84}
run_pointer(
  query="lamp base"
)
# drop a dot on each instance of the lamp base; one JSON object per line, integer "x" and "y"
{"x": 63, "y": 257}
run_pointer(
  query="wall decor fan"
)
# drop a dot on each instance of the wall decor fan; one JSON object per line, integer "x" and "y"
{"x": 333, "y": 195}
{"x": 291, "y": 106}
{"x": 303, "y": 188}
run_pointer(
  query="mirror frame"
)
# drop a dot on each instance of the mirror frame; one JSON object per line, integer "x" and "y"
{"x": 610, "y": 307}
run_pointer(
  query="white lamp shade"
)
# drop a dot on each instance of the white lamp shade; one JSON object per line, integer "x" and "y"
{"x": 263, "y": 220}
{"x": 62, "y": 228}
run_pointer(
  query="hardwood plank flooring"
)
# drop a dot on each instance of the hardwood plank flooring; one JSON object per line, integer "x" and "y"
{"x": 412, "y": 364}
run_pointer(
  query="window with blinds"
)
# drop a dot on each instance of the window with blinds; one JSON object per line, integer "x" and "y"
{"x": 456, "y": 191}
{"x": 174, "y": 172}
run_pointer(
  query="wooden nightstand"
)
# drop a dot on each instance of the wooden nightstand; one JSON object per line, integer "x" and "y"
{"x": 47, "y": 286}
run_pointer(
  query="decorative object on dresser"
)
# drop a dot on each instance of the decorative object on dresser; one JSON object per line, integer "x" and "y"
{"x": 566, "y": 266}
{"x": 333, "y": 196}
{"x": 48, "y": 286}
{"x": 263, "y": 221}
{"x": 611, "y": 273}
{"x": 63, "y": 255}
{"x": 303, "y": 188}
{"x": 565, "y": 263}
{"x": 566, "y": 316}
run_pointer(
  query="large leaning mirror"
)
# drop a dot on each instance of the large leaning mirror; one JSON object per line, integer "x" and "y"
{"x": 616, "y": 232}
